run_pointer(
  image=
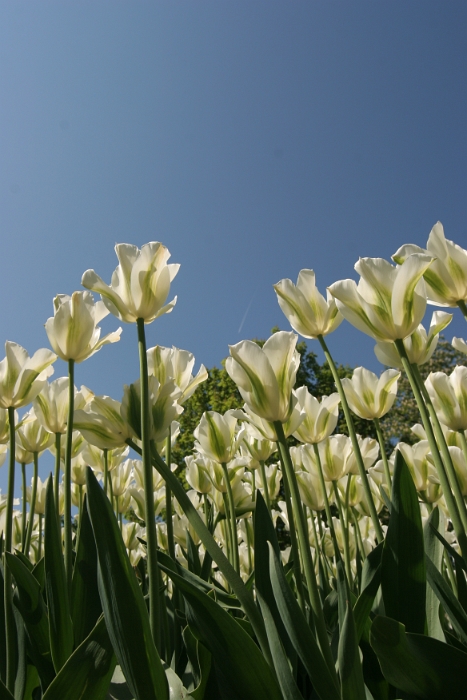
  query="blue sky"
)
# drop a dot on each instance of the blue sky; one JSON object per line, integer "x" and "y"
{"x": 253, "y": 138}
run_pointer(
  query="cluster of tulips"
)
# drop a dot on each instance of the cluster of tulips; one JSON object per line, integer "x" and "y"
{"x": 174, "y": 593}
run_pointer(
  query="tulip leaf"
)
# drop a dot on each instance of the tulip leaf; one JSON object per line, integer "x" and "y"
{"x": 350, "y": 666}
{"x": 300, "y": 633}
{"x": 200, "y": 660}
{"x": 88, "y": 672}
{"x": 30, "y": 604}
{"x": 371, "y": 579}
{"x": 21, "y": 665}
{"x": 85, "y": 601}
{"x": 167, "y": 564}
{"x": 418, "y": 665}
{"x": 434, "y": 552}
{"x": 403, "y": 578}
{"x": 125, "y": 611}
{"x": 281, "y": 664}
{"x": 240, "y": 666}
{"x": 60, "y": 624}
{"x": 265, "y": 532}
{"x": 5, "y": 693}
{"x": 448, "y": 600}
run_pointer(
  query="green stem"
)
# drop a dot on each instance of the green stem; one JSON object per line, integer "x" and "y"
{"x": 293, "y": 538}
{"x": 345, "y": 533}
{"x": 151, "y": 534}
{"x": 464, "y": 444}
{"x": 23, "y": 509}
{"x": 443, "y": 478}
{"x": 32, "y": 507}
{"x": 206, "y": 509}
{"x": 39, "y": 551}
{"x": 168, "y": 499}
{"x": 58, "y": 439}
{"x": 353, "y": 437}
{"x": 10, "y": 631}
{"x": 327, "y": 507}
{"x": 358, "y": 534}
{"x": 106, "y": 471}
{"x": 446, "y": 455}
{"x": 463, "y": 307}
{"x": 304, "y": 543}
{"x": 68, "y": 532}
{"x": 232, "y": 519}
{"x": 387, "y": 473}
{"x": 264, "y": 482}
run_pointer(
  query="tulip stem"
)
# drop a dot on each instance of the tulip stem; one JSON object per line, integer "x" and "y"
{"x": 68, "y": 533}
{"x": 265, "y": 485}
{"x": 32, "y": 506}
{"x": 293, "y": 539}
{"x": 444, "y": 449}
{"x": 39, "y": 551}
{"x": 442, "y": 475}
{"x": 463, "y": 307}
{"x": 58, "y": 438}
{"x": 10, "y": 630}
{"x": 23, "y": 509}
{"x": 168, "y": 498}
{"x": 327, "y": 507}
{"x": 353, "y": 437}
{"x": 345, "y": 532}
{"x": 106, "y": 471}
{"x": 384, "y": 457}
{"x": 232, "y": 519}
{"x": 151, "y": 534}
{"x": 304, "y": 542}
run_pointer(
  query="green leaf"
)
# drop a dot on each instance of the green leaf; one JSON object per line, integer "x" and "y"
{"x": 418, "y": 665}
{"x": 88, "y": 672}
{"x": 434, "y": 551}
{"x": 281, "y": 664}
{"x": 448, "y": 600}
{"x": 31, "y": 605}
{"x": 300, "y": 633}
{"x": 200, "y": 660}
{"x": 5, "y": 693}
{"x": 125, "y": 611}
{"x": 60, "y": 625}
{"x": 225, "y": 599}
{"x": 350, "y": 666}
{"x": 85, "y": 601}
{"x": 403, "y": 579}
{"x": 240, "y": 665}
{"x": 371, "y": 578}
{"x": 265, "y": 532}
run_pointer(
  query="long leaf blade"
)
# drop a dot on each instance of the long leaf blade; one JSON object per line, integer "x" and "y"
{"x": 125, "y": 612}
{"x": 403, "y": 578}
{"x": 60, "y": 624}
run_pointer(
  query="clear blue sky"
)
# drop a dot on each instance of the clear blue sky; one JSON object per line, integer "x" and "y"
{"x": 253, "y": 138}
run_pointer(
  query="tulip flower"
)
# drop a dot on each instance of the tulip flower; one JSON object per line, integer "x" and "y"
{"x": 163, "y": 407}
{"x": 368, "y": 396}
{"x": 266, "y": 376}
{"x": 101, "y": 423}
{"x": 446, "y": 278}
{"x": 51, "y": 404}
{"x": 449, "y": 397}
{"x": 33, "y": 437}
{"x": 307, "y": 311}
{"x": 460, "y": 345}
{"x": 320, "y": 417}
{"x": 176, "y": 364}
{"x": 389, "y": 302}
{"x": 72, "y": 330}
{"x": 419, "y": 346}
{"x": 140, "y": 283}
{"x": 22, "y": 377}
{"x": 217, "y": 436}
